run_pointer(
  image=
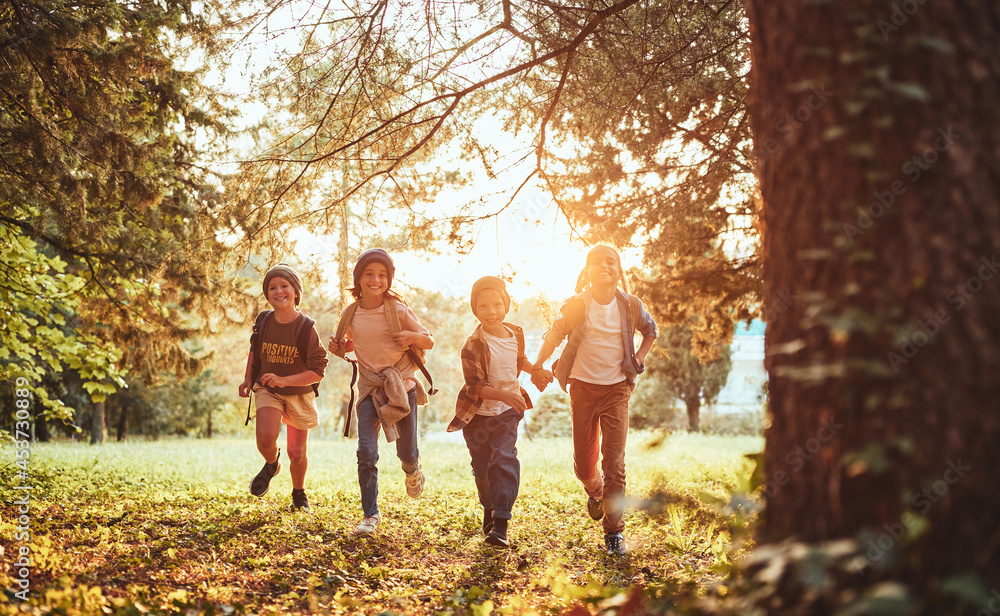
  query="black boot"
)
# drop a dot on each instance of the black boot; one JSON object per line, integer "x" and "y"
{"x": 487, "y": 521}
{"x": 498, "y": 534}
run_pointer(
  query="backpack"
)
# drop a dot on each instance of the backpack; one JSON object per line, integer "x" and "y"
{"x": 302, "y": 333}
{"x": 415, "y": 353}
{"x": 633, "y": 308}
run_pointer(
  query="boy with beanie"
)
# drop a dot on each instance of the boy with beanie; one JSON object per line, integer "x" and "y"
{"x": 492, "y": 403}
{"x": 282, "y": 377}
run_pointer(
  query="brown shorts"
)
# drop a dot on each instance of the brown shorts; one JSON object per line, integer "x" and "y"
{"x": 297, "y": 410}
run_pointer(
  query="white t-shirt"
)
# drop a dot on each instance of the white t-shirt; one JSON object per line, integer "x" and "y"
{"x": 599, "y": 357}
{"x": 502, "y": 372}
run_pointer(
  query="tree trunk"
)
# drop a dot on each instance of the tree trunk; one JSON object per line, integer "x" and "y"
{"x": 97, "y": 424}
{"x": 208, "y": 431}
{"x": 693, "y": 404}
{"x": 122, "y": 432}
{"x": 41, "y": 424}
{"x": 877, "y": 130}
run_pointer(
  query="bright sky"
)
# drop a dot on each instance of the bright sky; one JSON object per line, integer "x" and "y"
{"x": 529, "y": 243}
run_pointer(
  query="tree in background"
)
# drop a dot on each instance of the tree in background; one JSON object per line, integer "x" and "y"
{"x": 674, "y": 371}
{"x": 631, "y": 115}
{"x": 882, "y": 223}
{"x": 108, "y": 218}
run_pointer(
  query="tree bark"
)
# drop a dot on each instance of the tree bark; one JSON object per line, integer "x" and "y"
{"x": 877, "y": 128}
{"x": 122, "y": 432}
{"x": 41, "y": 424}
{"x": 97, "y": 424}
{"x": 693, "y": 404}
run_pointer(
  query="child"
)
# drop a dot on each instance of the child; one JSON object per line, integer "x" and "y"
{"x": 379, "y": 328}
{"x": 492, "y": 403}
{"x": 600, "y": 365}
{"x": 282, "y": 374}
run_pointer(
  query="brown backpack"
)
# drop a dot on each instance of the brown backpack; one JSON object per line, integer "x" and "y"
{"x": 415, "y": 353}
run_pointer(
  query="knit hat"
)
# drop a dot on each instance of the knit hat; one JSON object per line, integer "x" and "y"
{"x": 285, "y": 271}
{"x": 489, "y": 282}
{"x": 373, "y": 254}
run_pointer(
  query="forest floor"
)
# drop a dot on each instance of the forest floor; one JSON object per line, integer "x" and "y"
{"x": 169, "y": 526}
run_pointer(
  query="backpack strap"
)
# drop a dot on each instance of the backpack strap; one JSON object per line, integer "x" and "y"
{"x": 258, "y": 329}
{"x": 305, "y": 329}
{"x": 415, "y": 355}
{"x": 345, "y": 322}
{"x": 633, "y": 305}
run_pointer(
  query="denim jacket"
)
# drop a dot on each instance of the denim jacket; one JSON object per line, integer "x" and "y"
{"x": 572, "y": 322}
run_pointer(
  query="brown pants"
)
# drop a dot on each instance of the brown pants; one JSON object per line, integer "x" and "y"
{"x": 600, "y": 428}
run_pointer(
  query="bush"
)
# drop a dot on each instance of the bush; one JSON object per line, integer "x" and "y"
{"x": 550, "y": 416}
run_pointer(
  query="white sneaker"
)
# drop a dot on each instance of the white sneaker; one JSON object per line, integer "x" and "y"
{"x": 368, "y": 525}
{"x": 415, "y": 483}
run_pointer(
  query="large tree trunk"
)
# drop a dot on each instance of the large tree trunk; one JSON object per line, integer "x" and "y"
{"x": 878, "y": 130}
{"x": 97, "y": 424}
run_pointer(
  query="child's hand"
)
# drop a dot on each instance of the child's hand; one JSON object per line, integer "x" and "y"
{"x": 541, "y": 378}
{"x": 335, "y": 346}
{"x": 273, "y": 380}
{"x": 405, "y": 339}
{"x": 514, "y": 401}
{"x": 245, "y": 388}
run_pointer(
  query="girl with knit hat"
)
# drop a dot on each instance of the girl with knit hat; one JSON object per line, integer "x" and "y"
{"x": 491, "y": 404}
{"x": 283, "y": 375}
{"x": 380, "y": 328}
{"x": 599, "y": 366}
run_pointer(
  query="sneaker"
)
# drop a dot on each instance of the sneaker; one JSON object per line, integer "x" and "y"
{"x": 368, "y": 525}
{"x": 261, "y": 483}
{"x": 595, "y": 508}
{"x": 497, "y": 536}
{"x": 299, "y": 500}
{"x": 487, "y": 521}
{"x": 615, "y": 544}
{"x": 415, "y": 483}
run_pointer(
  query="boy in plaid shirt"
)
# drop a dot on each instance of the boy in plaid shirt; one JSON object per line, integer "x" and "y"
{"x": 492, "y": 403}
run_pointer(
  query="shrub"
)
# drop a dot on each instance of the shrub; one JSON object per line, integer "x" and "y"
{"x": 550, "y": 416}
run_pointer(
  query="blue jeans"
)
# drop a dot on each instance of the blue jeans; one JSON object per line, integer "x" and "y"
{"x": 492, "y": 442}
{"x": 368, "y": 431}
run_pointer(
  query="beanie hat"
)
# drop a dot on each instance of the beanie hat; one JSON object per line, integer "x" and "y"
{"x": 489, "y": 282}
{"x": 285, "y": 271}
{"x": 373, "y": 254}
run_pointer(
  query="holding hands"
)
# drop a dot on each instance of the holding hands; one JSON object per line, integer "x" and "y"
{"x": 540, "y": 378}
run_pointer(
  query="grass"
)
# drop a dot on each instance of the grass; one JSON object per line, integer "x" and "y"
{"x": 170, "y": 525}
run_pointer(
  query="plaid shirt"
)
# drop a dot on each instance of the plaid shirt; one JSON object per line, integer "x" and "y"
{"x": 476, "y": 367}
